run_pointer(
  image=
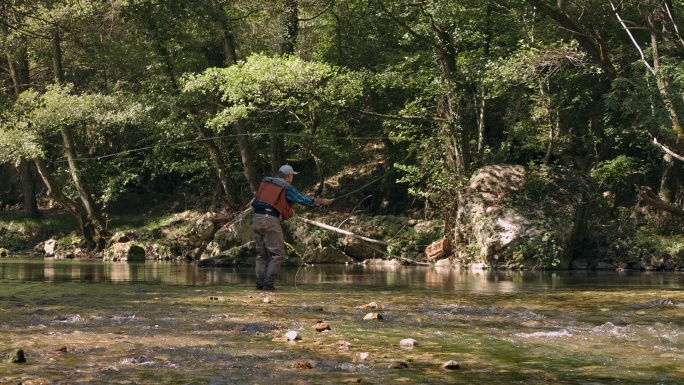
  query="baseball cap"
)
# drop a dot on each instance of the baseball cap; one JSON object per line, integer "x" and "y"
{"x": 286, "y": 170}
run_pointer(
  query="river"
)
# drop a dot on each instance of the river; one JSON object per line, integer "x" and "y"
{"x": 174, "y": 323}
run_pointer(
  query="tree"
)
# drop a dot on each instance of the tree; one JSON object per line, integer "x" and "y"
{"x": 18, "y": 65}
{"x": 608, "y": 29}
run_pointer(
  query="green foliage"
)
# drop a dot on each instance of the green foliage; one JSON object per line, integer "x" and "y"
{"x": 538, "y": 184}
{"x": 262, "y": 83}
{"x": 546, "y": 253}
{"x": 614, "y": 173}
{"x": 18, "y": 233}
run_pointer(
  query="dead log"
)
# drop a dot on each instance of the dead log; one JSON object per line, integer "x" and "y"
{"x": 345, "y": 232}
{"x": 651, "y": 199}
{"x": 365, "y": 239}
{"x": 668, "y": 151}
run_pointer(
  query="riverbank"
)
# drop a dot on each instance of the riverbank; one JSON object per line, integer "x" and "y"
{"x": 174, "y": 235}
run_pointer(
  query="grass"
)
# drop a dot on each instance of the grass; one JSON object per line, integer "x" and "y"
{"x": 19, "y": 233}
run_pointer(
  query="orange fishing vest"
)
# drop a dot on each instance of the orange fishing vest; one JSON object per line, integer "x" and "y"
{"x": 272, "y": 191}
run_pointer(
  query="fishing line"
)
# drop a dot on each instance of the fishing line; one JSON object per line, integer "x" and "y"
{"x": 352, "y": 213}
{"x": 193, "y": 141}
{"x": 364, "y": 186}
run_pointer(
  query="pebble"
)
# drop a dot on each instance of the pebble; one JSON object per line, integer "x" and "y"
{"x": 303, "y": 365}
{"x": 451, "y": 365}
{"x": 372, "y": 316}
{"x": 322, "y": 326}
{"x": 364, "y": 356}
{"x": 372, "y": 305}
{"x": 398, "y": 365}
{"x": 292, "y": 336}
{"x": 408, "y": 343}
{"x": 343, "y": 345}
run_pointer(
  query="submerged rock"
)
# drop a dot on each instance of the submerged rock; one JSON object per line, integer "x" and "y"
{"x": 292, "y": 336}
{"x": 371, "y": 305}
{"x": 16, "y": 357}
{"x": 125, "y": 252}
{"x": 372, "y": 316}
{"x": 303, "y": 365}
{"x": 408, "y": 343}
{"x": 322, "y": 326}
{"x": 398, "y": 365}
{"x": 363, "y": 357}
{"x": 451, "y": 365}
{"x": 343, "y": 345}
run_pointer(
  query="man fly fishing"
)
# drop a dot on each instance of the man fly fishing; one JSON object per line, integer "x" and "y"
{"x": 274, "y": 201}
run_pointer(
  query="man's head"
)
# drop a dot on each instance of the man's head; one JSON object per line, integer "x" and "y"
{"x": 286, "y": 172}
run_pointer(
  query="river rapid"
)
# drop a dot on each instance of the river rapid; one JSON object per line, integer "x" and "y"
{"x": 88, "y": 322}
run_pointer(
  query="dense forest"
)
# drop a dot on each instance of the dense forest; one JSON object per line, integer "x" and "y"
{"x": 103, "y": 101}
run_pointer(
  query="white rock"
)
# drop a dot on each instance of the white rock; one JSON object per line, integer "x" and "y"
{"x": 372, "y": 316}
{"x": 408, "y": 343}
{"x": 292, "y": 336}
{"x": 451, "y": 365}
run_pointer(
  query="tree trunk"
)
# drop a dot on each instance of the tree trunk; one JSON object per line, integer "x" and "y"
{"x": 290, "y": 27}
{"x": 246, "y": 155}
{"x": 666, "y": 192}
{"x": 28, "y": 188}
{"x": 215, "y": 154}
{"x": 455, "y": 136}
{"x": 551, "y": 120}
{"x": 93, "y": 224}
{"x": 56, "y": 43}
{"x": 91, "y": 208}
{"x": 240, "y": 126}
{"x": 18, "y": 63}
{"x": 87, "y": 228}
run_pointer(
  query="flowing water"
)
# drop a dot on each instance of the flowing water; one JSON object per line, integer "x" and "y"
{"x": 87, "y": 322}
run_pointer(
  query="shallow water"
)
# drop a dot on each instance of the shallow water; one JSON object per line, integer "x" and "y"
{"x": 166, "y": 323}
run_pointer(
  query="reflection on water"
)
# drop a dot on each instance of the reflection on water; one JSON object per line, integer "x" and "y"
{"x": 432, "y": 278}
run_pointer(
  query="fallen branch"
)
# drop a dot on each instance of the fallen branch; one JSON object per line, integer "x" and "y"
{"x": 651, "y": 199}
{"x": 667, "y": 150}
{"x": 345, "y": 232}
{"x": 365, "y": 239}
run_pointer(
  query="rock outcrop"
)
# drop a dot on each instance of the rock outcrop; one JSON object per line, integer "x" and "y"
{"x": 511, "y": 217}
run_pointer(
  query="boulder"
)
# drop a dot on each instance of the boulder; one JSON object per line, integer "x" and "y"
{"x": 158, "y": 251}
{"x": 328, "y": 255}
{"x": 235, "y": 233}
{"x": 235, "y": 256}
{"x": 125, "y": 252}
{"x": 205, "y": 227}
{"x": 229, "y": 245}
{"x": 359, "y": 250}
{"x": 50, "y": 247}
{"x": 510, "y": 217}
{"x": 120, "y": 237}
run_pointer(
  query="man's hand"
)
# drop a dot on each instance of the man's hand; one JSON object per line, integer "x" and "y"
{"x": 323, "y": 201}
